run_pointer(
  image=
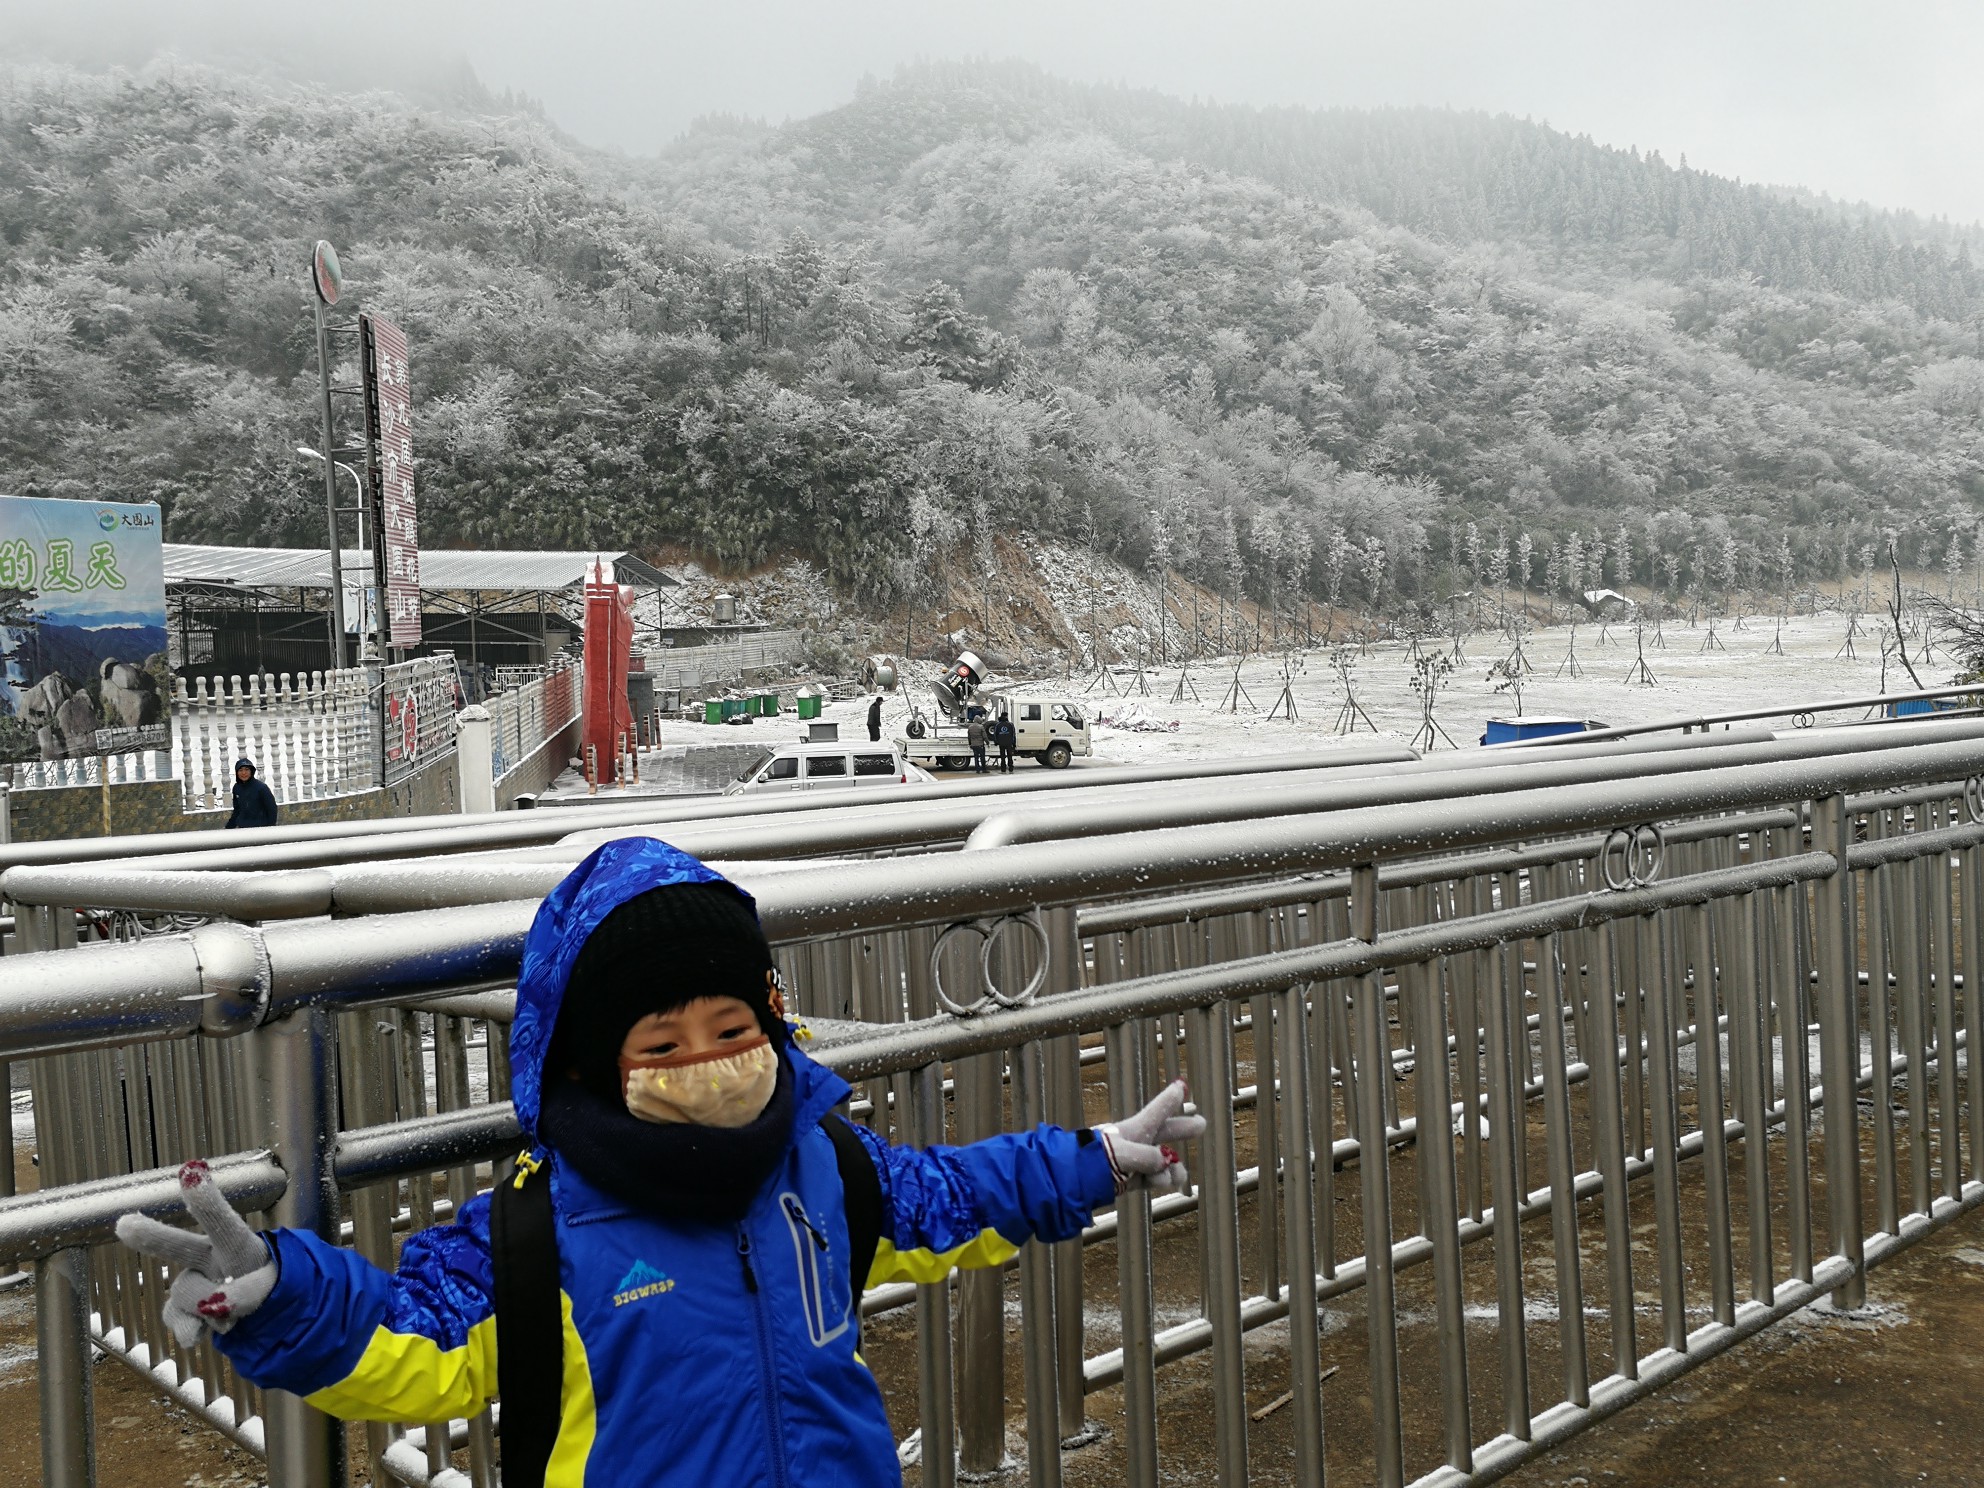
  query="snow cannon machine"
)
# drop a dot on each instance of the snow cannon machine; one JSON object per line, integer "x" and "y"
{"x": 953, "y": 690}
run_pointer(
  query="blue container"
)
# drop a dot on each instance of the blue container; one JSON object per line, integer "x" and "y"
{"x": 1923, "y": 707}
{"x": 1509, "y": 730}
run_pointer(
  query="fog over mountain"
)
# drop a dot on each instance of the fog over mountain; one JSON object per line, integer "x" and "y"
{"x": 1352, "y": 353}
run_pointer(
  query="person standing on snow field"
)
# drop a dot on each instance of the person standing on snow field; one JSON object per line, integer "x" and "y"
{"x": 254, "y": 802}
{"x": 705, "y": 1222}
{"x": 875, "y": 720}
{"x": 975, "y": 732}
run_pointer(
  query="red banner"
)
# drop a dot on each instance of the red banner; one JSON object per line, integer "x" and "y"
{"x": 389, "y": 436}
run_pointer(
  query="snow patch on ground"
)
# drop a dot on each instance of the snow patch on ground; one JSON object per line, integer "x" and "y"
{"x": 1154, "y": 725}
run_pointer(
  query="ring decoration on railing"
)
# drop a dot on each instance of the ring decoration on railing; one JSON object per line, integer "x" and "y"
{"x": 1632, "y": 857}
{"x": 1973, "y": 798}
{"x": 989, "y": 933}
{"x": 1802, "y": 720}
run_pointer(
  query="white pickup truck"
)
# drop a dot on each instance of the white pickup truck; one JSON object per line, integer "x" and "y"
{"x": 1052, "y": 730}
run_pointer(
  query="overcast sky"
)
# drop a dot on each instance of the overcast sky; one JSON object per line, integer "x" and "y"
{"x": 1866, "y": 99}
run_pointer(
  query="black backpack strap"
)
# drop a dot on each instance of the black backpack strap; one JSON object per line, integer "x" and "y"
{"x": 530, "y": 1319}
{"x": 862, "y": 1186}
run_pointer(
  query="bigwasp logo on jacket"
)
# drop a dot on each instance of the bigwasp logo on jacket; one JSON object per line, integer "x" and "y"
{"x": 641, "y": 1282}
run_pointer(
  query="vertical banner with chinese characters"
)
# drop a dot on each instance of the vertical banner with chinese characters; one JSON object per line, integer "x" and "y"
{"x": 83, "y": 665}
{"x": 389, "y": 472}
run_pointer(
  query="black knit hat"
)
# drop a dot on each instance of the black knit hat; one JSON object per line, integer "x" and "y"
{"x": 657, "y": 952}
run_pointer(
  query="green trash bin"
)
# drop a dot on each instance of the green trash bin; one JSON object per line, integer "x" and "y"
{"x": 713, "y": 710}
{"x": 768, "y": 705}
{"x": 809, "y": 703}
{"x": 732, "y": 708}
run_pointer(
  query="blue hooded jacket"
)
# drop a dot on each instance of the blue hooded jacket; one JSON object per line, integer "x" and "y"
{"x": 694, "y": 1354}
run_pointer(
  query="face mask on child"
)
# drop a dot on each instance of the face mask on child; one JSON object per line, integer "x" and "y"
{"x": 729, "y": 1088}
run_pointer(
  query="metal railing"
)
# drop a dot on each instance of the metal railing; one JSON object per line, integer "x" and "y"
{"x": 531, "y": 714}
{"x": 675, "y": 667}
{"x": 1803, "y": 715}
{"x": 1439, "y": 1041}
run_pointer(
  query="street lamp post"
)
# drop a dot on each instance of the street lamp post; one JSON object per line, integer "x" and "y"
{"x": 357, "y": 481}
{"x": 328, "y": 278}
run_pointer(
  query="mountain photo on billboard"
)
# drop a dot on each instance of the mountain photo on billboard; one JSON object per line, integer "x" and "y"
{"x": 83, "y": 666}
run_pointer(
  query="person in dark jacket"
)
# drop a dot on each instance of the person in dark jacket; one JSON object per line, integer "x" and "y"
{"x": 254, "y": 802}
{"x": 875, "y": 720}
{"x": 1004, "y": 737}
{"x": 702, "y": 1226}
{"x": 976, "y": 734}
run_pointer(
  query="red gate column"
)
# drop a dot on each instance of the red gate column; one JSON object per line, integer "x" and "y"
{"x": 609, "y": 645}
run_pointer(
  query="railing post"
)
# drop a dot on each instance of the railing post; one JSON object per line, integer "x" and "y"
{"x": 1373, "y": 1055}
{"x": 474, "y": 760}
{"x": 1209, "y": 1036}
{"x": 934, "y": 1356}
{"x": 298, "y": 1102}
{"x": 1040, "y": 1363}
{"x": 1839, "y": 1042}
{"x": 1064, "y": 1084}
{"x": 1127, "y": 1052}
{"x": 62, "y": 1344}
{"x": 981, "y": 1326}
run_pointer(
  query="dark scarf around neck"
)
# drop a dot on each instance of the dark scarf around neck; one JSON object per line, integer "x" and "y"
{"x": 699, "y": 1174}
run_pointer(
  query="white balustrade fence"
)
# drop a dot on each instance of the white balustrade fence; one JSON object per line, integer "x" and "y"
{"x": 149, "y": 764}
{"x": 311, "y": 734}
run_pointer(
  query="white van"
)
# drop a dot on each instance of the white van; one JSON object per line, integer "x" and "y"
{"x": 829, "y": 766}
{"x": 1052, "y": 730}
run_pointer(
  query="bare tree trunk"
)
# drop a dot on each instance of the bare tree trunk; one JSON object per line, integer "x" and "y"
{"x": 1894, "y": 610}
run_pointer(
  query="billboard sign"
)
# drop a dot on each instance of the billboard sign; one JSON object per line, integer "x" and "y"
{"x": 389, "y": 465}
{"x": 421, "y": 699}
{"x": 83, "y": 665}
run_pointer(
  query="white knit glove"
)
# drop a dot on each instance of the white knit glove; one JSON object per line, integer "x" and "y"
{"x": 1139, "y": 1145}
{"x": 229, "y": 1270}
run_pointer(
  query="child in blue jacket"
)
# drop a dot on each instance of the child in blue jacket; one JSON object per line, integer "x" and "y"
{"x": 699, "y": 1211}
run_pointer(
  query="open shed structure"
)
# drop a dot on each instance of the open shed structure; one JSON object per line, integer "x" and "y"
{"x": 241, "y": 610}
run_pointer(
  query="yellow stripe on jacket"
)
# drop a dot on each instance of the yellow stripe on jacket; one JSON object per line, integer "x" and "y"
{"x": 410, "y": 1377}
{"x": 987, "y": 1248}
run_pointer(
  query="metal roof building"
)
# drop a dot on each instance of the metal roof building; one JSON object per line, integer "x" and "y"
{"x": 240, "y": 610}
{"x": 441, "y": 569}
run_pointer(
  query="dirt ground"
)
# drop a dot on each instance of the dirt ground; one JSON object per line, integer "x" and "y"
{"x": 1888, "y": 1396}
{"x": 1885, "y": 1396}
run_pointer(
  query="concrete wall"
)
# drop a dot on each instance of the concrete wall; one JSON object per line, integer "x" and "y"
{"x": 552, "y": 759}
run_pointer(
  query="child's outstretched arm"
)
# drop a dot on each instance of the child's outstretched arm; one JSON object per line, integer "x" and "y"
{"x": 295, "y": 1313}
{"x": 962, "y": 1207}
